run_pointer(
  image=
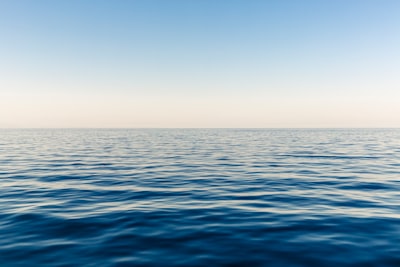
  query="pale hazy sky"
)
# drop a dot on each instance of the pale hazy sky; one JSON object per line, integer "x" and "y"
{"x": 199, "y": 63}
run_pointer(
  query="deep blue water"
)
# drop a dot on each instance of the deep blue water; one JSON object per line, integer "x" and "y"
{"x": 200, "y": 197}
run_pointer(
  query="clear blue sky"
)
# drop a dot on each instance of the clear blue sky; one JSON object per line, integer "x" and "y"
{"x": 204, "y": 63}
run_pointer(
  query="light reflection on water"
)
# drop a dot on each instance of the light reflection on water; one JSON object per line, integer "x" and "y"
{"x": 204, "y": 197}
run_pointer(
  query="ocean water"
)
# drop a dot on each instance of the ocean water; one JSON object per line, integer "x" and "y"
{"x": 200, "y": 197}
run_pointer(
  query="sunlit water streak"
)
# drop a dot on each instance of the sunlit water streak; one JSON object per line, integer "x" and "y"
{"x": 200, "y": 197}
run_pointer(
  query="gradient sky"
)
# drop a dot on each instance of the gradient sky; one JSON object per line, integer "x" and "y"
{"x": 204, "y": 63}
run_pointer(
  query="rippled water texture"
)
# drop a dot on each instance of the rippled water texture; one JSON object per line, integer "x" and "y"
{"x": 200, "y": 197}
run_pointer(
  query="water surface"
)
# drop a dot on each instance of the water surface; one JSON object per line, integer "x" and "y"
{"x": 205, "y": 197}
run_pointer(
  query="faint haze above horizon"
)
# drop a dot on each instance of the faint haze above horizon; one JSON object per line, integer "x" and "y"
{"x": 205, "y": 63}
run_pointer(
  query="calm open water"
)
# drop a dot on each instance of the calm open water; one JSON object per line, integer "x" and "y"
{"x": 201, "y": 197}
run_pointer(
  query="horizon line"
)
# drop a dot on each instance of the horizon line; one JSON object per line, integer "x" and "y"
{"x": 194, "y": 128}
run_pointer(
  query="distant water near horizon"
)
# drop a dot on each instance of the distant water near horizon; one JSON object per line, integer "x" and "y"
{"x": 200, "y": 197}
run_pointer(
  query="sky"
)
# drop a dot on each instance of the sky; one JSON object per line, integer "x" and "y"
{"x": 199, "y": 63}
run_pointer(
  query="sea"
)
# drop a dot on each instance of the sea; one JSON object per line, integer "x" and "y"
{"x": 200, "y": 197}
